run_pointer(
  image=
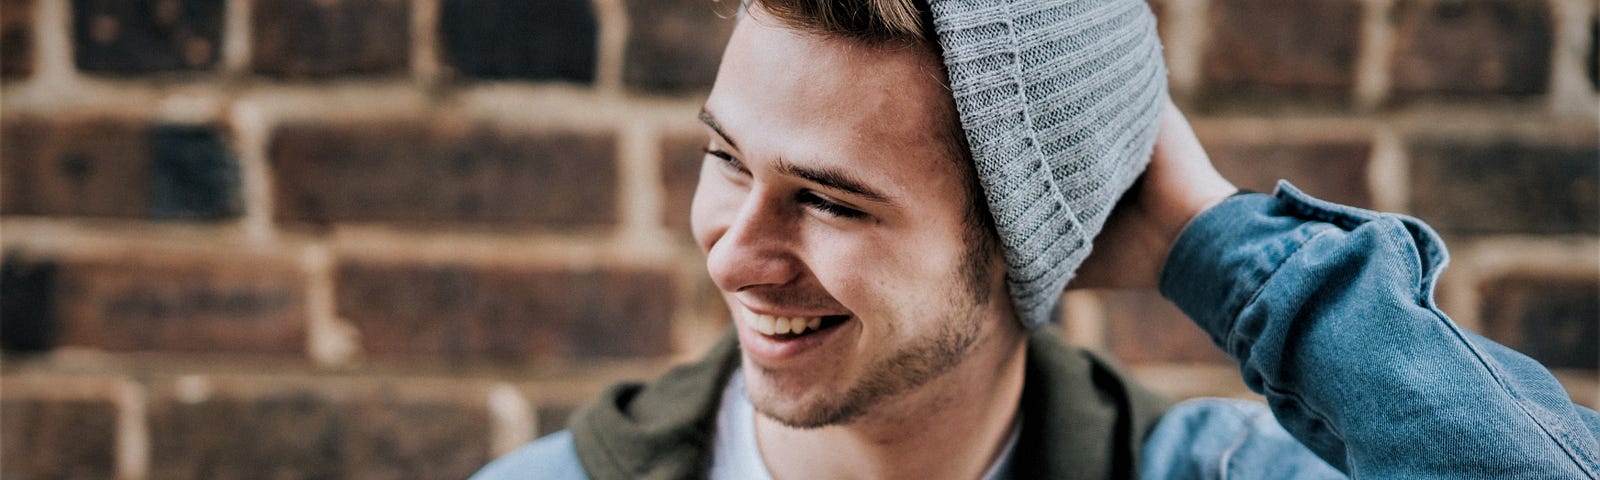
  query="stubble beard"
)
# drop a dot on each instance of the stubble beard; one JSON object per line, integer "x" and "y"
{"x": 907, "y": 369}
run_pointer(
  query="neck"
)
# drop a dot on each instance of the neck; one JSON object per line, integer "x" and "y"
{"x": 953, "y": 427}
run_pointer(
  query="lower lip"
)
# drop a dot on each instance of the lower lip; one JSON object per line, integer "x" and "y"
{"x": 774, "y": 351}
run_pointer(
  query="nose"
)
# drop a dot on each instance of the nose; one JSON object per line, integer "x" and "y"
{"x": 756, "y": 249}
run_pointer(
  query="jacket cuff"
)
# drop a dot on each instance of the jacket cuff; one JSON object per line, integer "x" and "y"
{"x": 1226, "y": 253}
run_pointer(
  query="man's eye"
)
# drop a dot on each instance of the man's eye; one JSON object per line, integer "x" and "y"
{"x": 823, "y": 205}
{"x": 727, "y": 159}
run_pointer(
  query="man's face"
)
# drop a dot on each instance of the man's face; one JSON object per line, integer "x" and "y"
{"x": 832, "y": 200}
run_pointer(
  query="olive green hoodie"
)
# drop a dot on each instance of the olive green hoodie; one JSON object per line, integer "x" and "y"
{"x": 1085, "y": 419}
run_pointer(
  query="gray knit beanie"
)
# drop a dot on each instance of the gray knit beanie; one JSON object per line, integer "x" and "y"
{"x": 1060, "y": 101}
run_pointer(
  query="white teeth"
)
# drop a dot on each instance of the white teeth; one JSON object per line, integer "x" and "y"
{"x": 770, "y": 325}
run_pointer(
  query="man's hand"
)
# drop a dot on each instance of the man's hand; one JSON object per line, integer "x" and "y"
{"x": 1179, "y": 184}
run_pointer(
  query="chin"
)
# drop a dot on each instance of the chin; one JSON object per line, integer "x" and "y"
{"x": 798, "y": 403}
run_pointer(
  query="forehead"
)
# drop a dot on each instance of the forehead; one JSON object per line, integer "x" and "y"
{"x": 807, "y": 97}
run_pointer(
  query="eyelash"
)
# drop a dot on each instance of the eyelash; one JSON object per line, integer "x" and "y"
{"x": 807, "y": 198}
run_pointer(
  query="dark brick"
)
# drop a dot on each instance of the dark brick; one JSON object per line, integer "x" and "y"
{"x": 16, "y": 38}
{"x": 195, "y": 176}
{"x": 553, "y": 418}
{"x": 389, "y": 436}
{"x": 26, "y": 305}
{"x": 1553, "y": 320}
{"x": 1142, "y": 327}
{"x": 1334, "y": 170}
{"x": 675, "y": 45}
{"x": 1271, "y": 47}
{"x": 322, "y": 38}
{"x": 544, "y": 40}
{"x": 283, "y": 435}
{"x": 93, "y": 168}
{"x": 117, "y": 168}
{"x": 52, "y": 438}
{"x": 681, "y": 158}
{"x": 420, "y": 173}
{"x": 1472, "y": 47}
{"x": 506, "y": 314}
{"x": 146, "y": 36}
{"x": 1506, "y": 187}
{"x": 167, "y": 302}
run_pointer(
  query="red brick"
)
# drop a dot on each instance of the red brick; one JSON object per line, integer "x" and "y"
{"x": 431, "y": 172}
{"x": 1489, "y": 187}
{"x": 322, "y": 38}
{"x": 146, "y": 36}
{"x": 1142, "y": 327}
{"x": 1334, "y": 170}
{"x": 544, "y": 40}
{"x": 675, "y": 45}
{"x": 1553, "y": 319}
{"x": 50, "y": 438}
{"x": 681, "y": 158}
{"x": 1272, "y": 47}
{"x": 90, "y": 167}
{"x": 506, "y": 314}
{"x": 304, "y": 432}
{"x": 169, "y": 302}
{"x": 103, "y": 167}
{"x": 16, "y": 38}
{"x": 1472, "y": 47}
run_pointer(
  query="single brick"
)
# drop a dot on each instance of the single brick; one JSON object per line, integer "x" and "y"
{"x": 194, "y": 176}
{"x": 1142, "y": 327}
{"x": 506, "y": 314}
{"x": 146, "y": 36}
{"x": 93, "y": 168}
{"x": 103, "y": 167}
{"x": 16, "y": 38}
{"x": 1506, "y": 187}
{"x": 164, "y": 302}
{"x": 553, "y": 418}
{"x": 420, "y": 173}
{"x": 26, "y": 306}
{"x": 544, "y": 40}
{"x": 681, "y": 158}
{"x": 1472, "y": 47}
{"x": 1334, "y": 170}
{"x": 51, "y": 438}
{"x": 1273, "y": 47}
{"x": 675, "y": 45}
{"x": 323, "y": 38}
{"x": 1553, "y": 320}
{"x": 295, "y": 434}
{"x": 390, "y": 436}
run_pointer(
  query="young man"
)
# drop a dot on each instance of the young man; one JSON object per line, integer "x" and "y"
{"x": 893, "y": 197}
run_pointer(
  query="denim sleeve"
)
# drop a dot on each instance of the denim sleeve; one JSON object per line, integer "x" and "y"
{"x": 1329, "y": 311}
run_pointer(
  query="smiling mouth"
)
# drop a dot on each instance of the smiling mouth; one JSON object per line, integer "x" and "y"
{"x": 784, "y": 328}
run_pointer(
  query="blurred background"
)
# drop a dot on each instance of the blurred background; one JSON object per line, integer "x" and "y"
{"x": 397, "y": 238}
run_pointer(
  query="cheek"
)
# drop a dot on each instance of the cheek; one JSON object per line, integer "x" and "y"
{"x": 890, "y": 276}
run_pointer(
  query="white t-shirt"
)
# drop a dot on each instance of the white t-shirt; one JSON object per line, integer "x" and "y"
{"x": 735, "y": 455}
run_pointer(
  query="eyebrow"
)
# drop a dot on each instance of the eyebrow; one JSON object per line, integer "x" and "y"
{"x": 711, "y": 121}
{"x": 827, "y": 177}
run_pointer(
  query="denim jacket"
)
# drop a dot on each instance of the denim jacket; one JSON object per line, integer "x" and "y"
{"x": 1329, "y": 311}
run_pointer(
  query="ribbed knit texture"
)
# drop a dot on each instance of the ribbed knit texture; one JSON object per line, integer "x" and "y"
{"x": 1060, "y": 101}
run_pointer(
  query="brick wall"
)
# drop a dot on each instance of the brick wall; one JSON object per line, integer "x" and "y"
{"x": 395, "y": 238}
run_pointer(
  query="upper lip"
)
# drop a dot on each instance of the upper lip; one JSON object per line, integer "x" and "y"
{"x": 787, "y": 314}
